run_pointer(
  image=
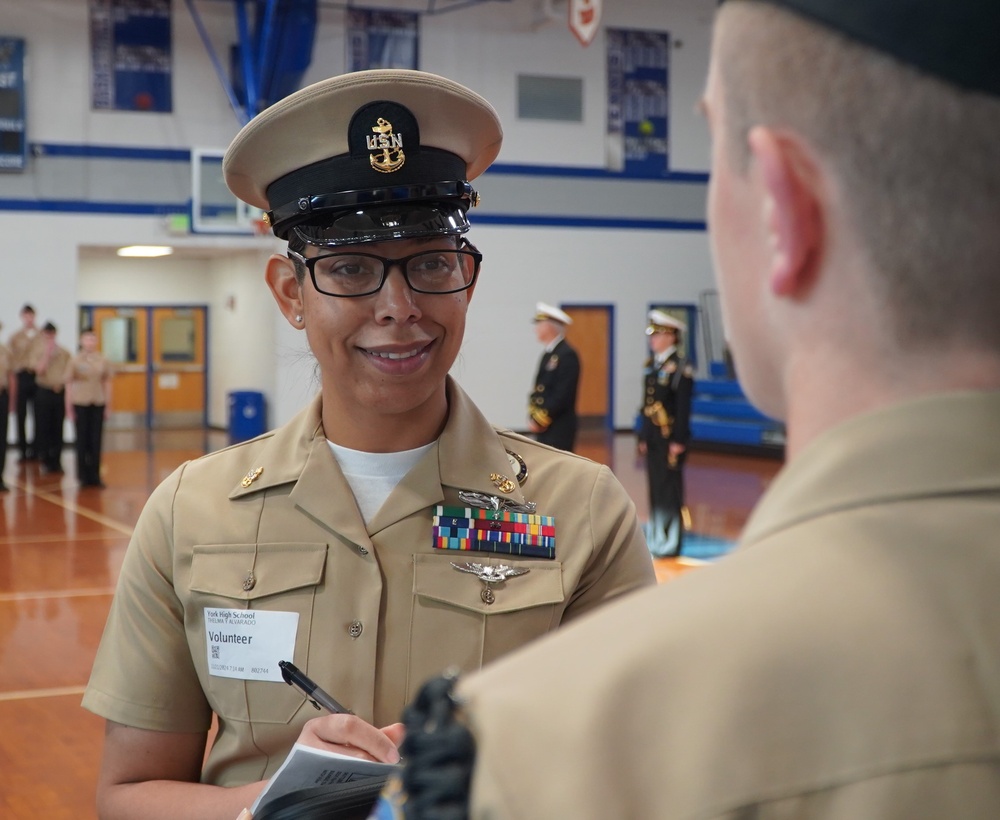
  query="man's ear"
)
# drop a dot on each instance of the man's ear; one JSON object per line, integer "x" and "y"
{"x": 281, "y": 279}
{"x": 794, "y": 220}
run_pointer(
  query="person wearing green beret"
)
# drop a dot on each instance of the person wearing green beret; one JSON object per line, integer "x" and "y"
{"x": 844, "y": 661}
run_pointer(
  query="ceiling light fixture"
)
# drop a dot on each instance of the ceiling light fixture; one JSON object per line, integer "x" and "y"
{"x": 145, "y": 250}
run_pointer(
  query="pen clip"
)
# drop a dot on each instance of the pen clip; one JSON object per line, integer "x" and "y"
{"x": 286, "y": 673}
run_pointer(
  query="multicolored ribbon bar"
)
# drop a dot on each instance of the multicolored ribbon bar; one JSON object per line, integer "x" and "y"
{"x": 494, "y": 515}
{"x": 494, "y": 526}
{"x": 509, "y": 533}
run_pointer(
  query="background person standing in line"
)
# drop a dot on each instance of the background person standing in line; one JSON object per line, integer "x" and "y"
{"x": 88, "y": 405}
{"x": 21, "y": 344}
{"x": 552, "y": 404}
{"x": 664, "y": 433}
{"x": 8, "y": 398}
{"x": 50, "y": 362}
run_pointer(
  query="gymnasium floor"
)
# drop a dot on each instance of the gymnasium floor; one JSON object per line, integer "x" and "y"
{"x": 61, "y": 547}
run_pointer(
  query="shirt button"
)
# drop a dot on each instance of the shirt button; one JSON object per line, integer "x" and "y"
{"x": 355, "y": 629}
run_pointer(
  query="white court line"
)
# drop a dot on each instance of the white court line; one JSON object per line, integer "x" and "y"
{"x": 27, "y": 694}
{"x": 59, "y": 593}
{"x": 103, "y": 520}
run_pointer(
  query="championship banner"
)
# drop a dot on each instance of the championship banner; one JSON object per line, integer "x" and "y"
{"x": 382, "y": 39}
{"x": 131, "y": 57}
{"x": 584, "y": 19}
{"x": 638, "y": 102}
{"x": 13, "y": 141}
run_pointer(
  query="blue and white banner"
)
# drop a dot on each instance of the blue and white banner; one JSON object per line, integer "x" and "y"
{"x": 13, "y": 131}
{"x": 638, "y": 63}
{"x": 131, "y": 56}
{"x": 382, "y": 39}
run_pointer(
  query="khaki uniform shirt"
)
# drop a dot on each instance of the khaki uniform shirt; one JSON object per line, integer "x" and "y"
{"x": 380, "y": 610}
{"x": 6, "y": 367}
{"x": 843, "y": 664}
{"x": 21, "y": 343}
{"x": 54, "y": 375}
{"x": 87, "y": 376}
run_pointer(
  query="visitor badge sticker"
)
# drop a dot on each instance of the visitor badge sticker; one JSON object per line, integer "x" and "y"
{"x": 248, "y": 643}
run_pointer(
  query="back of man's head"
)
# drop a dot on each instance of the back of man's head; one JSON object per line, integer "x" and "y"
{"x": 916, "y": 157}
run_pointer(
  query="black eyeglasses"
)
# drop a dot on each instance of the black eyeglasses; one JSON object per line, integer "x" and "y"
{"x": 349, "y": 274}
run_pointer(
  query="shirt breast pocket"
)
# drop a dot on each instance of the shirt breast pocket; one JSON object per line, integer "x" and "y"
{"x": 264, "y": 577}
{"x": 459, "y": 620}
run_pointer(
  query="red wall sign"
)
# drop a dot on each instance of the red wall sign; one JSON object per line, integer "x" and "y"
{"x": 584, "y": 19}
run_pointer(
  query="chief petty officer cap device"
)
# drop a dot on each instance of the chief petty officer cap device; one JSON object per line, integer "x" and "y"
{"x": 366, "y": 157}
{"x": 954, "y": 40}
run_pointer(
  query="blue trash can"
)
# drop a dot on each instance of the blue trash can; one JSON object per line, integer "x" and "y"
{"x": 247, "y": 415}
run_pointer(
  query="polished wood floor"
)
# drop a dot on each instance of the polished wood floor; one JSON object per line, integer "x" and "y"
{"x": 61, "y": 547}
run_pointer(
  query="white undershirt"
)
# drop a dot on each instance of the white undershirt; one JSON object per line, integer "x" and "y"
{"x": 552, "y": 345}
{"x": 373, "y": 476}
{"x": 666, "y": 354}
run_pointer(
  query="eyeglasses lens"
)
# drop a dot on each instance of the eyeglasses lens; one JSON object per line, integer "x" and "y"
{"x": 358, "y": 274}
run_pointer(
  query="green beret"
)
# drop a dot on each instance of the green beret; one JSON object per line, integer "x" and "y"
{"x": 955, "y": 40}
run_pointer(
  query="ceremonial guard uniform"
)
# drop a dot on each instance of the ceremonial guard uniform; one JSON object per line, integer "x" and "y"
{"x": 552, "y": 404}
{"x": 665, "y": 419}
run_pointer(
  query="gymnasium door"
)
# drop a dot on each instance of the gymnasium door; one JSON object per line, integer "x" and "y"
{"x": 592, "y": 334}
{"x": 159, "y": 355}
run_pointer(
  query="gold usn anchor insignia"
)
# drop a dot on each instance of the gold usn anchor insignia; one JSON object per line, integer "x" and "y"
{"x": 388, "y": 146}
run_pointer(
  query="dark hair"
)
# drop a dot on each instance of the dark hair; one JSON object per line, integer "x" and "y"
{"x": 27, "y": 308}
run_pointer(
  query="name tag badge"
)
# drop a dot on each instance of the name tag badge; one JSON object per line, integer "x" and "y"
{"x": 248, "y": 643}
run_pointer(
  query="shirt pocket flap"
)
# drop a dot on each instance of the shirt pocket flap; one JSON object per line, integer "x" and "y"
{"x": 267, "y": 569}
{"x": 435, "y": 578}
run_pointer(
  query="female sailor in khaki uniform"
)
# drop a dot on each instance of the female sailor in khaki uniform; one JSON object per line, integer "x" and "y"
{"x": 88, "y": 403}
{"x": 386, "y": 533}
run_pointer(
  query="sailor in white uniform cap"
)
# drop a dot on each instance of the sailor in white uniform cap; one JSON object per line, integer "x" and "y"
{"x": 552, "y": 403}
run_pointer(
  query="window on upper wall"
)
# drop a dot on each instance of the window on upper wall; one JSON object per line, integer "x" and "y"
{"x": 549, "y": 98}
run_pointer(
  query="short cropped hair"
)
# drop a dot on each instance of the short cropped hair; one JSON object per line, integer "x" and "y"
{"x": 918, "y": 160}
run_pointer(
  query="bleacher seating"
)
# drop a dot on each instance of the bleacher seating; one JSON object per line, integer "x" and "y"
{"x": 721, "y": 416}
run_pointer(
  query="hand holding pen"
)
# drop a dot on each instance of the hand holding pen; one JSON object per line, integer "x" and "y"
{"x": 295, "y": 677}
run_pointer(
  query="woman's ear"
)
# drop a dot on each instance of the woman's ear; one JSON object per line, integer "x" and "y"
{"x": 284, "y": 284}
{"x": 793, "y": 208}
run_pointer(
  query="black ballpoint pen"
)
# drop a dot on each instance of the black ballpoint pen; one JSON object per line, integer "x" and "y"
{"x": 295, "y": 677}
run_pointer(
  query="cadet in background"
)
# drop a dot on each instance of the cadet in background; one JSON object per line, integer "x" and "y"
{"x": 552, "y": 403}
{"x": 665, "y": 432}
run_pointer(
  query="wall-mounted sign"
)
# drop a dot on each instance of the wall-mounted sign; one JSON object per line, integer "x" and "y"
{"x": 584, "y": 19}
{"x": 638, "y": 102}
{"x": 131, "y": 55}
{"x": 13, "y": 138}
